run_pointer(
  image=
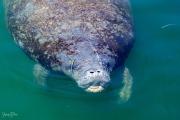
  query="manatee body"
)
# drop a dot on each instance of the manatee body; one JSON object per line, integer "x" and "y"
{"x": 84, "y": 39}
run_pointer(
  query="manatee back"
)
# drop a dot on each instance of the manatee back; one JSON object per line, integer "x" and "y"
{"x": 42, "y": 28}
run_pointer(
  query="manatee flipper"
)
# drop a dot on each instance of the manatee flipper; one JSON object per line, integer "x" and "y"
{"x": 40, "y": 74}
{"x": 125, "y": 92}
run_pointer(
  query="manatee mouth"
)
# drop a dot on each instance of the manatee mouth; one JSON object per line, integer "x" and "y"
{"x": 95, "y": 89}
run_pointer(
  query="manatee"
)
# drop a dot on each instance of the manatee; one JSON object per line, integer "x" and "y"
{"x": 84, "y": 39}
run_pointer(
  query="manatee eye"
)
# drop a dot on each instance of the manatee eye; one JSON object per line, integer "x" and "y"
{"x": 73, "y": 65}
{"x": 108, "y": 65}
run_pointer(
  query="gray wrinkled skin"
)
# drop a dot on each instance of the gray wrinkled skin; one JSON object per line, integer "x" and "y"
{"x": 85, "y": 39}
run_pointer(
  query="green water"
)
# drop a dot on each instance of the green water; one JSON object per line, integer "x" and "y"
{"x": 154, "y": 63}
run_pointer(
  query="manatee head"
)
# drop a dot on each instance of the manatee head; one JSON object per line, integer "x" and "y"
{"x": 92, "y": 78}
{"x": 92, "y": 75}
{"x": 90, "y": 64}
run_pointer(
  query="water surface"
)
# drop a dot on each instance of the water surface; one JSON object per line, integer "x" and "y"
{"x": 154, "y": 63}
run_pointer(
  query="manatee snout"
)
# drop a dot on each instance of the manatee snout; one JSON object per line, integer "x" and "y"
{"x": 94, "y": 80}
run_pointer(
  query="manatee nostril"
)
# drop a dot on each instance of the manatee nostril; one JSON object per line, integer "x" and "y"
{"x": 91, "y": 72}
{"x": 98, "y": 71}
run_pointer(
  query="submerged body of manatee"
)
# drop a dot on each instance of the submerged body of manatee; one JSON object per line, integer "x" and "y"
{"x": 85, "y": 40}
